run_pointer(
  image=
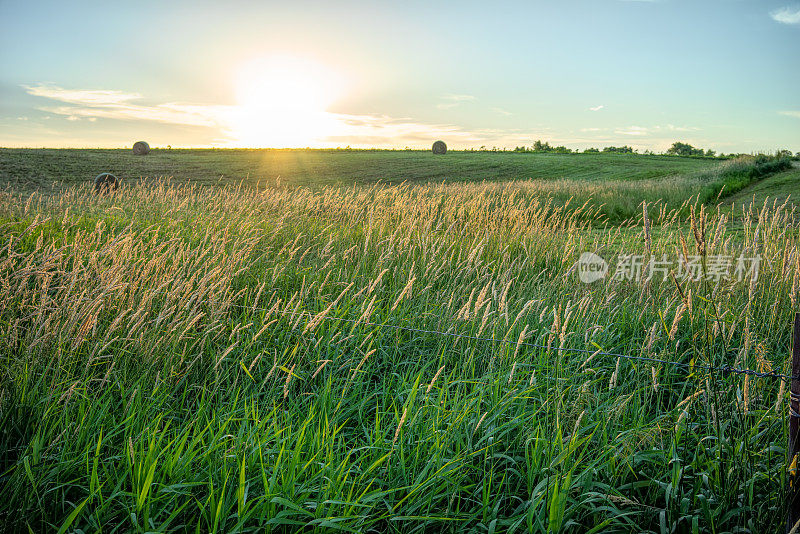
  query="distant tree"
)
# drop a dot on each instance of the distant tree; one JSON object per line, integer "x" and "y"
{"x": 544, "y": 146}
{"x": 710, "y": 153}
{"x": 591, "y": 151}
{"x": 684, "y": 149}
{"x": 618, "y": 149}
{"x": 783, "y": 153}
{"x": 539, "y": 146}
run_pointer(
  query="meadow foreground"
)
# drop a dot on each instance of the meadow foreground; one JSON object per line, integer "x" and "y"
{"x": 225, "y": 359}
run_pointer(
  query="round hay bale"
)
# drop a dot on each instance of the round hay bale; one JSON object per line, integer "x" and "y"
{"x": 439, "y": 147}
{"x": 104, "y": 182}
{"x": 140, "y": 148}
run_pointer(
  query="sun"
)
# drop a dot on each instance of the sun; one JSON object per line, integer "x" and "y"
{"x": 282, "y": 101}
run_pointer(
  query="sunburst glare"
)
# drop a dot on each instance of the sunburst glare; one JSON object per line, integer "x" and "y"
{"x": 283, "y": 102}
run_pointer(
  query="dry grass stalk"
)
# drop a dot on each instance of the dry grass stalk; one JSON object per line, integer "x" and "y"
{"x": 479, "y": 422}
{"x": 400, "y": 425}
{"x": 433, "y": 380}
{"x": 289, "y": 376}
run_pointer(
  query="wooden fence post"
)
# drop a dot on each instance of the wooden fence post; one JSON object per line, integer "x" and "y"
{"x": 794, "y": 425}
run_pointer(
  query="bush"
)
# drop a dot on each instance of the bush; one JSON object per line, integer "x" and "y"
{"x": 734, "y": 175}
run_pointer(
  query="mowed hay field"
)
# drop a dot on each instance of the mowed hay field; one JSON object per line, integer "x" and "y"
{"x": 313, "y": 168}
{"x": 614, "y": 184}
{"x": 225, "y": 358}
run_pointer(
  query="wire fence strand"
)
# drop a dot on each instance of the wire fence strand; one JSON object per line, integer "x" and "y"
{"x": 725, "y": 369}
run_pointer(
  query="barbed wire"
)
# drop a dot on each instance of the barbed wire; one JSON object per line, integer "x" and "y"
{"x": 725, "y": 369}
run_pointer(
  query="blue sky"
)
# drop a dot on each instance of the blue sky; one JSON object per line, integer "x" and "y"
{"x": 721, "y": 74}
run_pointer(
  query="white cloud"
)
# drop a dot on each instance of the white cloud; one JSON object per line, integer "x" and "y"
{"x": 454, "y": 101}
{"x": 221, "y": 125}
{"x": 122, "y": 106}
{"x": 381, "y": 131}
{"x": 786, "y": 15}
{"x": 346, "y": 129}
{"x": 597, "y": 108}
{"x": 795, "y": 114}
{"x": 460, "y": 98}
{"x": 642, "y": 130}
{"x": 501, "y": 111}
{"x": 632, "y": 130}
{"x": 89, "y": 97}
{"x": 673, "y": 128}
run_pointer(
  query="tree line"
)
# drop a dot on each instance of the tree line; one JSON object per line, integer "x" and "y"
{"x": 678, "y": 148}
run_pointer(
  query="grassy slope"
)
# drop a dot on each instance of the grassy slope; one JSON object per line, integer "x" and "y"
{"x": 40, "y": 168}
{"x": 779, "y": 187}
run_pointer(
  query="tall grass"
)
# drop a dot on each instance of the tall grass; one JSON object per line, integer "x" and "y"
{"x": 734, "y": 175}
{"x": 157, "y": 378}
{"x": 619, "y": 201}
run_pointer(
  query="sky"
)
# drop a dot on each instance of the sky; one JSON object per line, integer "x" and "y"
{"x": 719, "y": 74}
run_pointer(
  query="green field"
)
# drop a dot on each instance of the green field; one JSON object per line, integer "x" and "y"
{"x": 25, "y": 167}
{"x": 225, "y": 359}
{"x": 613, "y": 184}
